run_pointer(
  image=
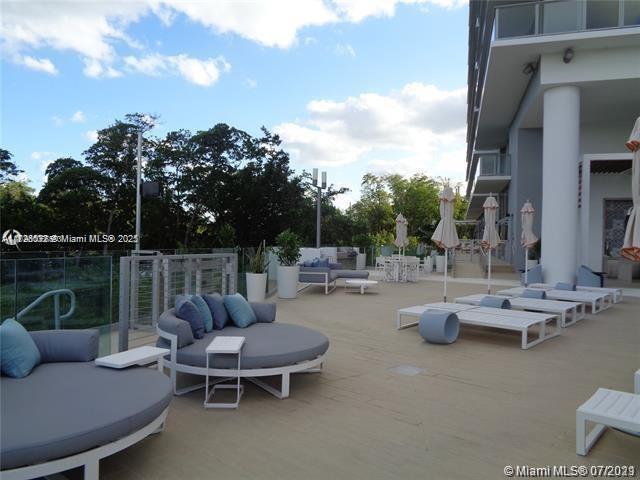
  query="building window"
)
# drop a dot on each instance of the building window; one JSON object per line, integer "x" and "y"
{"x": 631, "y": 12}
{"x": 602, "y": 14}
{"x": 558, "y": 17}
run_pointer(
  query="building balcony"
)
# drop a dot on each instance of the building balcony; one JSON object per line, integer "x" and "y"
{"x": 563, "y": 16}
{"x": 492, "y": 177}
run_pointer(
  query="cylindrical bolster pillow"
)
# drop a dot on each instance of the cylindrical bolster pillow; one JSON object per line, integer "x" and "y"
{"x": 265, "y": 312}
{"x": 168, "y": 322}
{"x": 66, "y": 345}
{"x": 495, "y": 302}
{"x": 439, "y": 326}
{"x": 565, "y": 286}
{"x": 534, "y": 293}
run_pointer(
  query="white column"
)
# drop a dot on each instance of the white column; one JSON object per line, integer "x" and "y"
{"x": 560, "y": 151}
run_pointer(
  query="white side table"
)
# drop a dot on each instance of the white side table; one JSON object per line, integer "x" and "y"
{"x": 224, "y": 346}
{"x": 360, "y": 283}
{"x": 136, "y": 356}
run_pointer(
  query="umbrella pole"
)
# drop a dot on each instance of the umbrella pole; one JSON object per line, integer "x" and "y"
{"x": 446, "y": 267}
{"x": 526, "y": 267}
{"x": 489, "y": 274}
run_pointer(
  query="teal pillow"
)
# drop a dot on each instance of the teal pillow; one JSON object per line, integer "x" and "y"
{"x": 18, "y": 352}
{"x": 201, "y": 305}
{"x": 239, "y": 310}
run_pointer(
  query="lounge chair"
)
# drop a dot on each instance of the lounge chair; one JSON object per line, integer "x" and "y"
{"x": 607, "y": 408}
{"x": 534, "y": 275}
{"x": 616, "y": 293}
{"x": 489, "y": 317}
{"x": 588, "y": 278}
{"x": 327, "y": 276}
{"x": 598, "y": 301}
{"x": 570, "y": 312}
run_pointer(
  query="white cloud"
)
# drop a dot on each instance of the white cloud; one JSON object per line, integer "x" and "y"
{"x": 419, "y": 128}
{"x": 95, "y": 69}
{"x": 250, "y": 82}
{"x": 358, "y": 10}
{"x": 39, "y": 64}
{"x": 345, "y": 49}
{"x": 41, "y": 155}
{"x": 78, "y": 117}
{"x": 91, "y": 135}
{"x": 57, "y": 121}
{"x": 201, "y": 72}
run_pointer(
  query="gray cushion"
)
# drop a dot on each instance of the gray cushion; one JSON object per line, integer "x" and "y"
{"x": 351, "y": 273}
{"x": 495, "y": 302}
{"x": 313, "y": 275}
{"x": 439, "y": 326}
{"x": 218, "y": 310}
{"x": 66, "y": 408}
{"x": 534, "y": 293}
{"x": 565, "y": 286}
{"x": 265, "y": 312}
{"x": 267, "y": 345}
{"x": 188, "y": 312}
{"x": 66, "y": 345}
{"x": 175, "y": 326}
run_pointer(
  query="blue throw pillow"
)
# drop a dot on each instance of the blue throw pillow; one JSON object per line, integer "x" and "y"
{"x": 18, "y": 352}
{"x": 307, "y": 263}
{"x": 324, "y": 262}
{"x": 189, "y": 312}
{"x": 199, "y": 302}
{"x": 218, "y": 310}
{"x": 315, "y": 262}
{"x": 239, "y": 310}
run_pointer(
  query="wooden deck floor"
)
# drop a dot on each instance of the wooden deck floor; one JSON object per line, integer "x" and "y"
{"x": 470, "y": 408}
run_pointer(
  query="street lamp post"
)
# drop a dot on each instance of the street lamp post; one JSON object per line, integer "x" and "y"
{"x": 138, "y": 191}
{"x": 319, "y": 188}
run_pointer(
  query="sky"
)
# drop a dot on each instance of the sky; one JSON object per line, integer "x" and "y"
{"x": 351, "y": 86}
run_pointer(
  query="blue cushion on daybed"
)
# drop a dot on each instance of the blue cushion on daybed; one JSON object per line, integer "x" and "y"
{"x": 218, "y": 310}
{"x": 323, "y": 262}
{"x": 18, "y": 352}
{"x": 239, "y": 310}
{"x": 495, "y": 302}
{"x": 188, "y": 312}
{"x": 67, "y": 345}
{"x": 202, "y": 306}
{"x": 534, "y": 293}
{"x": 565, "y": 286}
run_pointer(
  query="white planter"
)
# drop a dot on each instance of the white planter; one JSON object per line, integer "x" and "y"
{"x": 256, "y": 287}
{"x": 531, "y": 264}
{"x": 428, "y": 264}
{"x": 288, "y": 281}
{"x": 440, "y": 263}
{"x": 361, "y": 261}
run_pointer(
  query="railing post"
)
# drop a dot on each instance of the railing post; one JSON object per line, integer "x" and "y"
{"x": 155, "y": 291}
{"x": 198, "y": 276}
{"x": 166, "y": 273}
{"x": 123, "y": 310}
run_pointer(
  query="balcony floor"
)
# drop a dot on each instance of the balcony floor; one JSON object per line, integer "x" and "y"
{"x": 474, "y": 406}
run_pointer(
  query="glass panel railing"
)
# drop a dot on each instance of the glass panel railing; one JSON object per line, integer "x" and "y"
{"x": 602, "y": 14}
{"x": 631, "y": 12}
{"x": 494, "y": 165}
{"x": 558, "y": 17}
{"x": 516, "y": 21}
{"x": 23, "y": 280}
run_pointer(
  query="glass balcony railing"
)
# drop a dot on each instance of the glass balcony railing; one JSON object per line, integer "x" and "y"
{"x": 494, "y": 164}
{"x": 564, "y": 16}
{"x": 23, "y": 280}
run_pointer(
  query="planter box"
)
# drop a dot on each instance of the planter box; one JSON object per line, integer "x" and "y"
{"x": 256, "y": 287}
{"x": 288, "y": 281}
{"x": 440, "y": 263}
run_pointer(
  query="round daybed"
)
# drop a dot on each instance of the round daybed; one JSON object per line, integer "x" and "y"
{"x": 68, "y": 412}
{"x": 270, "y": 349}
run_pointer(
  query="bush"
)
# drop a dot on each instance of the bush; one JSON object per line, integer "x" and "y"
{"x": 288, "y": 252}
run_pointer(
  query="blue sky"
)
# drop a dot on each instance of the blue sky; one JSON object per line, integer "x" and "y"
{"x": 351, "y": 86}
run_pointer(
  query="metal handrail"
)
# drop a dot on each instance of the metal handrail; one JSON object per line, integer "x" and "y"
{"x": 56, "y": 294}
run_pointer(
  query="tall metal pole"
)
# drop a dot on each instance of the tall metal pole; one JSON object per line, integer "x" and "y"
{"x": 318, "y": 213}
{"x": 138, "y": 193}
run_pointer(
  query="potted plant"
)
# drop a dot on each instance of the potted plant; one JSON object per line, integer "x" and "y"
{"x": 288, "y": 254}
{"x": 257, "y": 275}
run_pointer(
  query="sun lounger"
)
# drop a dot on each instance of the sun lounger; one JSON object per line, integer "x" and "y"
{"x": 598, "y": 301}
{"x": 607, "y": 408}
{"x": 570, "y": 312}
{"x": 489, "y": 317}
{"x": 616, "y": 293}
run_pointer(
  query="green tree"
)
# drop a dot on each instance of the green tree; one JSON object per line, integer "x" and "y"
{"x": 8, "y": 168}
{"x": 19, "y": 210}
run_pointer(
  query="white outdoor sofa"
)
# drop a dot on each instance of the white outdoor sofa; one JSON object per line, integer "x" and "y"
{"x": 608, "y": 408}
{"x": 616, "y": 293}
{"x": 598, "y": 301}
{"x": 489, "y": 317}
{"x": 271, "y": 349}
{"x": 570, "y": 312}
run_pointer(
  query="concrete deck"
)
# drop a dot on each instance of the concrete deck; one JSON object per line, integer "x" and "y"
{"x": 468, "y": 410}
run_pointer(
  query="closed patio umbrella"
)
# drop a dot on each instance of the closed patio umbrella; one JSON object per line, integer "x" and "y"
{"x": 528, "y": 238}
{"x": 445, "y": 235}
{"x": 401, "y": 240}
{"x": 631, "y": 245}
{"x": 490, "y": 237}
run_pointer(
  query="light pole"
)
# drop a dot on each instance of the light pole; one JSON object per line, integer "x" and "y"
{"x": 138, "y": 192}
{"x": 319, "y": 187}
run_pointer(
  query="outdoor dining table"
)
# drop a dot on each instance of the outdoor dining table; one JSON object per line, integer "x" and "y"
{"x": 396, "y": 268}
